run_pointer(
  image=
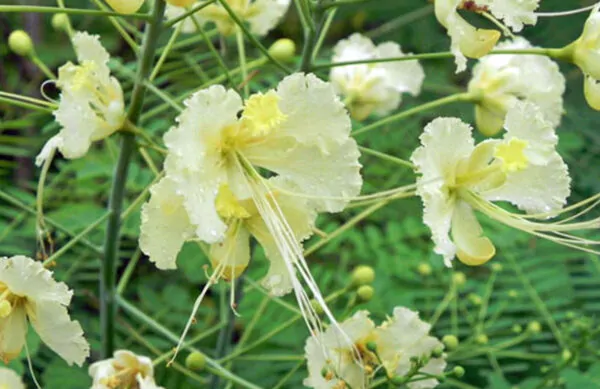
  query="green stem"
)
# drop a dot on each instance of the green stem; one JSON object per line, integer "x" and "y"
{"x": 69, "y": 11}
{"x": 42, "y": 66}
{"x": 465, "y": 96}
{"x": 309, "y": 43}
{"x": 338, "y": 3}
{"x": 165, "y": 52}
{"x": 111, "y": 243}
{"x": 187, "y": 13}
{"x": 239, "y": 35}
{"x": 24, "y": 104}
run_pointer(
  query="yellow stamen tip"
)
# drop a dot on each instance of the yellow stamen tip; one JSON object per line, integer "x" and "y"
{"x": 228, "y": 206}
{"x": 512, "y": 155}
{"x": 262, "y": 114}
{"x": 5, "y": 309}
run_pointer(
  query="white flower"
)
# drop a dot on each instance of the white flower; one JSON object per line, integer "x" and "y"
{"x": 333, "y": 363}
{"x": 586, "y": 55}
{"x": 403, "y": 337}
{"x": 28, "y": 292}
{"x": 373, "y": 87}
{"x": 125, "y": 6}
{"x": 10, "y": 380}
{"x": 466, "y": 40}
{"x": 176, "y": 8}
{"x": 523, "y": 168}
{"x": 213, "y": 191}
{"x": 261, "y": 15}
{"x": 124, "y": 371}
{"x": 514, "y": 13}
{"x": 91, "y": 103}
{"x": 502, "y": 79}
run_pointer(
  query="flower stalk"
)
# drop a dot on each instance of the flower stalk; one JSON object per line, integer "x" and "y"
{"x": 112, "y": 238}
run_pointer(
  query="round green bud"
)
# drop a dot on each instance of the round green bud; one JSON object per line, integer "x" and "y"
{"x": 566, "y": 355}
{"x": 60, "y": 22}
{"x": 283, "y": 50}
{"x": 365, "y": 293}
{"x": 424, "y": 269}
{"x": 371, "y": 346}
{"x": 497, "y": 267}
{"x": 544, "y": 369}
{"x": 481, "y": 339}
{"x": 20, "y": 43}
{"x": 450, "y": 341}
{"x": 195, "y": 361}
{"x": 570, "y": 315}
{"x": 316, "y": 306}
{"x": 459, "y": 278}
{"x": 324, "y": 372}
{"x": 458, "y": 371}
{"x": 475, "y": 299}
{"x": 517, "y": 328}
{"x": 513, "y": 294}
{"x": 437, "y": 352}
{"x": 363, "y": 275}
{"x": 398, "y": 380}
{"x": 534, "y": 327}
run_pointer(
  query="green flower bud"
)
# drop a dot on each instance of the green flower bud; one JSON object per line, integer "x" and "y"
{"x": 316, "y": 306}
{"x": 450, "y": 341}
{"x": 534, "y": 327}
{"x": 517, "y": 328}
{"x": 283, "y": 50}
{"x": 195, "y": 361}
{"x": 365, "y": 293}
{"x": 371, "y": 346}
{"x": 497, "y": 267}
{"x": 363, "y": 275}
{"x": 459, "y": 278}
{"x": 398, "y": 380}
{"x": 20, "y": 43}
{"x": 481, "y": 339}
{"x": 424, "y": 269}
{"x": 475, "y": 299}
{"x": 513, "y": 294}
{"x": 60, "y": 22}
{"x": 566, "y": 355}
{"x": 437, "y": 352}
{"x": 458, "y": 371}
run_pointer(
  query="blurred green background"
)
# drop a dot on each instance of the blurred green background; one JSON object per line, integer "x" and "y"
{"x": 537, "y": 281}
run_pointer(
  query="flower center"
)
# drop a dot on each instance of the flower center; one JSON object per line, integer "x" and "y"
{"x": 512, "y": 155}
{"x": 8, "y": 301}
{"x": 228, "y": 207}
{"x": 262, "y": 114}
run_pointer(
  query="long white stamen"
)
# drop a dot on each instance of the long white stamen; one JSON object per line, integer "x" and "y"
{"x": 566, "y": 13}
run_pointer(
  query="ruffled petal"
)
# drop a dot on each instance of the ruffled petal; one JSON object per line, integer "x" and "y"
{"x": 165, "y": 225}
{"x": 89, "y": 48}
{"x": 266, "y": 14}
{"x": 315, "y": 116}
{"x": 328, "y": 180}
{"x": 54, "y": 326}
{"x": 472, "y": 247}
{"x": 536, "y": 189}
{"x": 28, "y": 278}
{"x": 591, "y": 89}
{"x": 13, "y": 329}
{"x": 587, "y": 48}
{"x": 514, "y": 13}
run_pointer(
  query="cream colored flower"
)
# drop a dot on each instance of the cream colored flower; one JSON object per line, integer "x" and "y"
{"x": 373, "y": 88}
{"x": 124, "y": 371}
{"x": 500, "y": 80}
{"x": 403, "y": 337}
{"x": 586, "y": 55}
{"x": 466, "y": 40}
{"x": 91, "y": 103}
{"x": 28, "y": 293}
{"x": 125, "y": 6}
{"x": 176, "y": 8}
{"x": 213, "y": 191}
{"x": 261, "y": 15}
{"x": 10, "y": 380}
{"x": 333, "y": 363}
{"x": 457, "y": 177}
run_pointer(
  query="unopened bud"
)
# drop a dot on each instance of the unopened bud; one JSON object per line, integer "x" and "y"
{"x": 450, "y": 341}
{"x": 398, "y": 380}
{"x": 497, "y": 267}
{"x": 458, "y": 371}
{"x": 475, "y": 299}
{"x": 316, "y": 306}
{"x": 283, "y": 50}
{"x": 437, "y": 352}
{"x": 60, "y": 22}
{"x": 513, "y": 293}
{"x": 481, "y": 339}
{"x": 365, "y": 293}
{"x": 371, "y": 346}
{"x": 195, "y": 361}
{"x": 5, "y": 309}
{"x": 566, "y": 355}
{"x": 363, "y": 275}
{"x": 517, "y": 328}
{"x": 459, "y": 278}
{"x": 424, "y": 269}
{"x": 534, "y": 327}
{"x": 20, "y": 43}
